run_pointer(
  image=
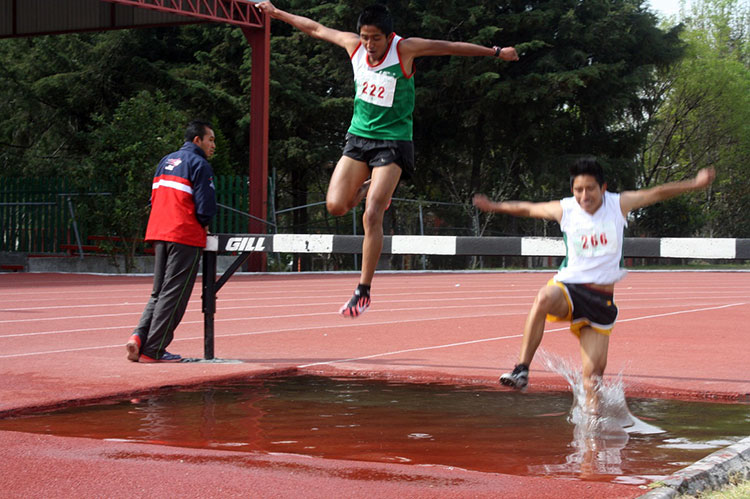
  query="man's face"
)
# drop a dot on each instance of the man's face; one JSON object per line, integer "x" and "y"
{"x": 588, "y": 193}
{"x": 207, "y": 142}
{"x": 374, "y": 41}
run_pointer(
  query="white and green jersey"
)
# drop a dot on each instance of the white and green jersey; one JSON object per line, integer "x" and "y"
{"x": 384, "y": 96}
{"x": 593, "y": 243}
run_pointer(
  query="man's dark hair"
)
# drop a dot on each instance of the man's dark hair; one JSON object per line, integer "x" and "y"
{"x": 378, "y": 16}
{"x": 587, "y": 166}
{"x": 196, "y": 128}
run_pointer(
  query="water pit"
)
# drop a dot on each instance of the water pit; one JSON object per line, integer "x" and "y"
{"x": 467, "y": 427}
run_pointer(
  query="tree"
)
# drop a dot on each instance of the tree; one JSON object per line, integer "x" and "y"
{"x": 43, "y": 90}
{"x": 511, "y": 129}
{"x": 53, "y": 87}
{"x": 702, "y": 118}
{"x": 124, "y": 152}
{"x": 480, "y": 124}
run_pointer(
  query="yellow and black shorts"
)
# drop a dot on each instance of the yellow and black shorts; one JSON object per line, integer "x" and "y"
{"x": 587, "y": 307}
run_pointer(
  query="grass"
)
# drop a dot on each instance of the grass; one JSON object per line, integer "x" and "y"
{"x": 737, "y": 489}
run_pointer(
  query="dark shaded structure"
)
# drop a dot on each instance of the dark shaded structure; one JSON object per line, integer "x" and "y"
{"x": 22, "y": 18}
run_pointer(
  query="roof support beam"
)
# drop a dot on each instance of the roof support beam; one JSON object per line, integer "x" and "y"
{"x": 238, "y": 12}
{"x": 260, "y": 43}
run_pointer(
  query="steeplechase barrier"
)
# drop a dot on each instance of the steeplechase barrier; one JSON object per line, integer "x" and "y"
{"x": 246, "y": 244}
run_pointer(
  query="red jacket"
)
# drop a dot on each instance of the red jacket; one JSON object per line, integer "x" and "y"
{"x": 183, "y": 199}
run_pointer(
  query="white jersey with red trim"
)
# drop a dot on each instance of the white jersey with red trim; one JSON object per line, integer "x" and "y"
{"x": 593, "y": 243}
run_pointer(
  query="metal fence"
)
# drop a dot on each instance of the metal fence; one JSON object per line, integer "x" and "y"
{"x": 48, "y": 215}
{"x": 404, "y": 216}
{"x": 39, "y": 215}
{"x": 232, "y": 196}
{"x": 34, "y": 217}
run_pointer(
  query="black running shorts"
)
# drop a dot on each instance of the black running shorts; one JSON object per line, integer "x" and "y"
{"x": 380, "y": 152}
{"x": 587, "y": 307}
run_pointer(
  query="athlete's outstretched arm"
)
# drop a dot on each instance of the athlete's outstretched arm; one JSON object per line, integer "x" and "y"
{"x": 551, "y": 210}
{"x": 632, "y": 200}
{"x": 418, "y": 47}
{"x": 343, "y": 39}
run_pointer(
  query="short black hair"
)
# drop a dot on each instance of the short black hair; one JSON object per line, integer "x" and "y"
{"x": 196, "y": 128}
{"x": 587, "y": 166}
{"x": 376, "y": 15}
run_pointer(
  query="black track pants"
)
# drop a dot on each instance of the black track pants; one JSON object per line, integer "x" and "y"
{"x": 175, "y": 269}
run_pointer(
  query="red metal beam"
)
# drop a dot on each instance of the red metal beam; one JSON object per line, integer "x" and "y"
{"x": 260, "y": 44}
{"x": 109, "y": 27}
{"x": 238, "y": 12}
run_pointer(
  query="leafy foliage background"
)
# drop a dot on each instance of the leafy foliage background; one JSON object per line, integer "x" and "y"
{"x": 602, "y": 77}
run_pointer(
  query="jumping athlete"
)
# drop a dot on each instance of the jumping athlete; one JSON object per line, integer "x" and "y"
{"x": 582, "y": 291}
{"x": 379, "y": 140}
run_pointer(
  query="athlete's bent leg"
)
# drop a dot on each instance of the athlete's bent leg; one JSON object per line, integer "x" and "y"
{"x": 549, "y": 300}
{"x": 347, "y": 179}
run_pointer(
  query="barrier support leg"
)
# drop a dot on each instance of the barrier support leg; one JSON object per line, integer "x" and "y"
{"x": 209, "y": 302}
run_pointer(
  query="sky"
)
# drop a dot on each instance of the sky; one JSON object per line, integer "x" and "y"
{"x": 665, "y": 7}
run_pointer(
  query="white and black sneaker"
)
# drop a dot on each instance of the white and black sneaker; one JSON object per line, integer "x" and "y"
{"x": 358, "y": 303}
{"x": 517, "y": 379}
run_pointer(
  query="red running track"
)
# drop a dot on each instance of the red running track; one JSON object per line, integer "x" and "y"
{"x": 682, "y": 335}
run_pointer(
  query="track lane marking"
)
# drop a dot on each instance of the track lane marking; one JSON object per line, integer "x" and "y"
{"x": 272, "y": 331}
{"x": 314, "y": 314}
{"x": 449, "y": 345}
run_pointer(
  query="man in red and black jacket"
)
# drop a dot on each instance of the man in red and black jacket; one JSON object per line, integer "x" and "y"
{"x": 183, "y": 201}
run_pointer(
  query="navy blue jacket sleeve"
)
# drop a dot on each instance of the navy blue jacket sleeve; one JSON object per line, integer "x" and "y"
{"x": 204, "y": 192}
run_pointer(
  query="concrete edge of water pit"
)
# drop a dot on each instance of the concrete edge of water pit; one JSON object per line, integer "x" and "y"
{"x": 710, "y": 473}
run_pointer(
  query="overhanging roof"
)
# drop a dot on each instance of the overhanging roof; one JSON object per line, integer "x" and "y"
{"x": 22, "y": 18}
{"x": 42, "y": 17}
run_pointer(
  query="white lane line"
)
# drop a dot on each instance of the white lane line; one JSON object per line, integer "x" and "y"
{"x": 138, "y": 312}
{"x": 683, "y": 312}
{"x": 79, "y": 317}
{"x": 290, "y": 316}
{"x": 620, "y": 295}
{"x": 435, "y": 347}
{"x": 472, "y": 297}
{"x": 482, "y": 280}
{"x": 420, "y": 349}
{"x": 349, "y": 325}
{"x": 360, "y": 324}
{"x": 524, "y": 304}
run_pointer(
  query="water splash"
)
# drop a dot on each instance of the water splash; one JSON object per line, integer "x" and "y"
{"x": 598, "y": 437}
{"x": 613, "y": 416}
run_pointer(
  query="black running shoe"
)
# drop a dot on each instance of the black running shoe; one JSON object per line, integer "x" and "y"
{"x": 518, "y": 379}
{"x": 356, "y": 306}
